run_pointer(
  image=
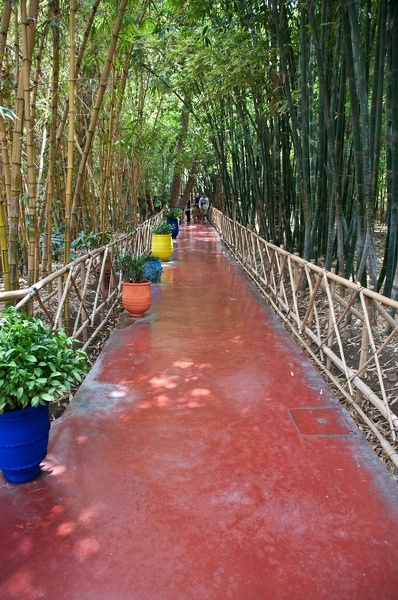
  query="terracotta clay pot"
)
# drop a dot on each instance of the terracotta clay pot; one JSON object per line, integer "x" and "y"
{"x": 136, "y": 298}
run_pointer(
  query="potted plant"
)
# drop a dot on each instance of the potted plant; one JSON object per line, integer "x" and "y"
{"x": 162, "y": 245}
{"x": 37, "y": 366}
{"x": 152, "y": 267}
{"x": 172, "y": 216}
{"x": 136, "y": 287}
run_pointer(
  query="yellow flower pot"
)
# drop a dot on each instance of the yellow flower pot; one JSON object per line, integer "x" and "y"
{"x": 162, "y": 245}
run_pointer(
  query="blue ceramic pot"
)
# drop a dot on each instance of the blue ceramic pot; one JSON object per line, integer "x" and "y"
{"x": 153, "y": 270}
{"x": 23, "y": 442}
{"x": 174, "y": 223}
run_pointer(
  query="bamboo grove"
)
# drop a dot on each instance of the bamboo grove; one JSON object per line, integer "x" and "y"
{"x": 285, "y": 112}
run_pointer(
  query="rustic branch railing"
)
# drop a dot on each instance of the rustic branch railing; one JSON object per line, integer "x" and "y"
{"x": 348, "y": 330}
{"x": 89, "y": 286}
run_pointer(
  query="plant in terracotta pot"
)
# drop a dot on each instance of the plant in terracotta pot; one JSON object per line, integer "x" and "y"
{"x": 172, "y": 216}
{"x": 136, "y": 287}
{"x": 162, "y": 245}
{"x": 37, "y": 366}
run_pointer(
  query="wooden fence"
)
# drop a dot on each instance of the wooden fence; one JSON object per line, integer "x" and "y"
{"x": 348, "y": 330}
{"x": 87, "y": 289}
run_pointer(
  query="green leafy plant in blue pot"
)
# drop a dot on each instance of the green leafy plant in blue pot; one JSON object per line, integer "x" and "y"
{"x": 172, "y": 216}
{"x": 152, "y": 267}
{"x": 38, "y": 365}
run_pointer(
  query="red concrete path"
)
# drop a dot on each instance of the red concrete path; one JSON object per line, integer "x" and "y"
{"x": 203, "y": 459}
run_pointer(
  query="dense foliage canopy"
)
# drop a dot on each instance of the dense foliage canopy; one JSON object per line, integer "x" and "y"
{"x": 285, "y": 112}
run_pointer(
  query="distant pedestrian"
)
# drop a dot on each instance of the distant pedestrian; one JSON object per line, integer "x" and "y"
{"x": 196, "y": 209}
{"x": 187, "y": 211}
{"x": 203, "y": 207}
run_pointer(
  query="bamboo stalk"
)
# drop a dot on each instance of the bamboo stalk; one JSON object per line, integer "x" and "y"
{"x": 28, "y": 33}
{"x": 71, "y": 129}
{"x": 4, "y": 244}
{"x": 16, "y": 184}
{"x": 98, "y": 103}
{"x": 5, "y": 23}
{"x": 47, "y": 247}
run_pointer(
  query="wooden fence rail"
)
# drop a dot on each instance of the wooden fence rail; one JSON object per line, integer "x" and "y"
{"x": 348, "y": 330}
{"x": 88, "y": 286}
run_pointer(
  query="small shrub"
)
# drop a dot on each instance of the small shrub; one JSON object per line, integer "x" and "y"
{"x": 173, "y": 213}
{"x": 162, "y": 228}
{"x": 87, "y": 240}
{"x": 131, "y": 267}
{"x": 37, "y": 364}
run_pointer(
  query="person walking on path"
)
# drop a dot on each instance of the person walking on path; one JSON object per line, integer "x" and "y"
{"x": 187, "y": 211}
{"x": 196, "y": 209}
{"x": 203, "y": 207}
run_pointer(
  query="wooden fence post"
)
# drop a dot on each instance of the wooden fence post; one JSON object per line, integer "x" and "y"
{"x": 83, "y": 275}
{"x": 363, "y": 355}
{"x": 59, "y": 322}
{"x": 332, "y": 287}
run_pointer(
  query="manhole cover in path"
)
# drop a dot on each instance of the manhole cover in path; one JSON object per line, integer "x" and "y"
{"x": 319, "y": 421}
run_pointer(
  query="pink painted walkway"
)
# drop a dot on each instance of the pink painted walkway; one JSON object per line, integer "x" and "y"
{"x": 202, "y": 459}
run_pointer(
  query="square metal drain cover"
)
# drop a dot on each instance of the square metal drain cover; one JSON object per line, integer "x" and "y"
{"x": 319, "y": 421}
